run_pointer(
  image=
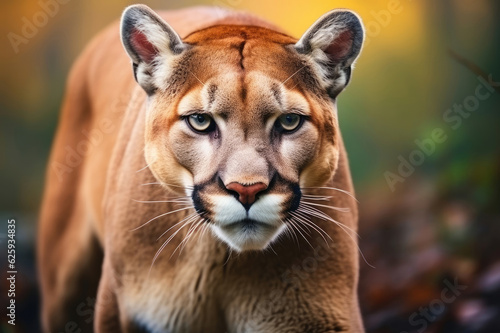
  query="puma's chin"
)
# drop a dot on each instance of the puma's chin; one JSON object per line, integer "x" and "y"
{"x": 248, "y": 234}
{"x": 244, "y": 230}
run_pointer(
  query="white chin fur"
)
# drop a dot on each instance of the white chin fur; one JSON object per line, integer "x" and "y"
{"x": 242, "y": 236}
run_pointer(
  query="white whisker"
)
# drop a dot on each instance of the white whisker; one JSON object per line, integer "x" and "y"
{"x": 164, "y": 245}
{"x": 143, "y": 168}
{"x": 229, "y": 256}
{"x": 303, "y": 219}
{"x": 296, "y": 226}
{"x": 333, "y": 188}
{"x": 154, "y": 218}
{"x": 203, "y": 84}
{"x": 289, "y": 230}
{"x": 180, "y": 200}
{"x": 315, "y": 212}
{"x": 172, "y": 185}
{"x": 186, "y": 220}
{"x": 315, "y": 197}
{"x": 205, "y": 228}
{"x": 319, "y": 214}
{"x": 340, "y": 209}
{"x": 188, "y": 236}
{"x": 271, "y": 248}
{"x": 282, "y": 83}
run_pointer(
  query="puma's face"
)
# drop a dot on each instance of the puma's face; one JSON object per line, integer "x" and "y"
{"x": 247, "y": 154}
{"x": 240, "y": 118}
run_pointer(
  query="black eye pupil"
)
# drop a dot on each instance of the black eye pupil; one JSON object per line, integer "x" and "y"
{"x": 201, "y": 123}
{"x": 288, "y": 122}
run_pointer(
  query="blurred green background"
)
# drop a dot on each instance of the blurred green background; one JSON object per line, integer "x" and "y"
{"x": 437, "y": 225}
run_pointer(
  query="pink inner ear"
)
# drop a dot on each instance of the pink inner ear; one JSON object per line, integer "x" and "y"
{"x": 340, "y": 47}
{"x": 142, "y": 46}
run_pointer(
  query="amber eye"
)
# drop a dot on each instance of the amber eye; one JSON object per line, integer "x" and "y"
{"x": 289, "y": 122}
{"x": 201, "y": 122}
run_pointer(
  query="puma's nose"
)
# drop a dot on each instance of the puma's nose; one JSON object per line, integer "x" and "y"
{"x": 246, "y": 192}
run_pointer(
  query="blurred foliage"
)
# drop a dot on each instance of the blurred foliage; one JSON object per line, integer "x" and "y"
{"x": 441, "y": 222}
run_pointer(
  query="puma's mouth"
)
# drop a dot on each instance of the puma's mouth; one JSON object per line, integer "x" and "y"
{"x": 248, "y": 225}
{"x": 245, "y": 230}
{"x": 248, "y": 234}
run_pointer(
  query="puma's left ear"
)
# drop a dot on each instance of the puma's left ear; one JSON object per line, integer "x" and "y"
{"x": 333, "y": 42}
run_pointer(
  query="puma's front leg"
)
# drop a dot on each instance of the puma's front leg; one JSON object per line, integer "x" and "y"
{"x": 69, "y": 261}
{"x": 107, "y": 314}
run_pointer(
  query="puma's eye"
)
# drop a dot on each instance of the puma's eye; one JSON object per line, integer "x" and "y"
{"x": 201, "y": 123}
{"x": 289, "y": 122}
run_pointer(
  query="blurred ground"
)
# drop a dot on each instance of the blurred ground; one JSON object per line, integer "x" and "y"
{"x": 439, "y": 269}
{"x": 430, "y": 228}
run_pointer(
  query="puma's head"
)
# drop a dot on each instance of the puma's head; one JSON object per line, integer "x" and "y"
{"x": 241, "y": 117}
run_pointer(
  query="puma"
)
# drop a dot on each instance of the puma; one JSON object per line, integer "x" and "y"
{"x": 198, "y": 181}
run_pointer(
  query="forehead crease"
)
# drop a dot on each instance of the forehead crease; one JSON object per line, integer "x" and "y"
{"x": 221, "y": 92}
{"x": 278, "y": 61}
{"x": 271, "y": 96}
{"x": 209, "y": 61}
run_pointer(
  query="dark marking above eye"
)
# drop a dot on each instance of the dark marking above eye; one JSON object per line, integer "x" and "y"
{"x": 212, "y": 89}
{"x": 277, "y": 94}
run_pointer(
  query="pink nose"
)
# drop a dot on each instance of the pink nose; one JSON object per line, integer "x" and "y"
{"x": 246, "y": 192}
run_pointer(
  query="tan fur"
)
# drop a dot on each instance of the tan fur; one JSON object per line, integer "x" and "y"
{"x": 91, "y": 215}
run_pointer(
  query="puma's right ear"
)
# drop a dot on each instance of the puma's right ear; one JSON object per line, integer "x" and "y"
{"x": 333, "y": 42}
{"x": 149, "y": 42}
